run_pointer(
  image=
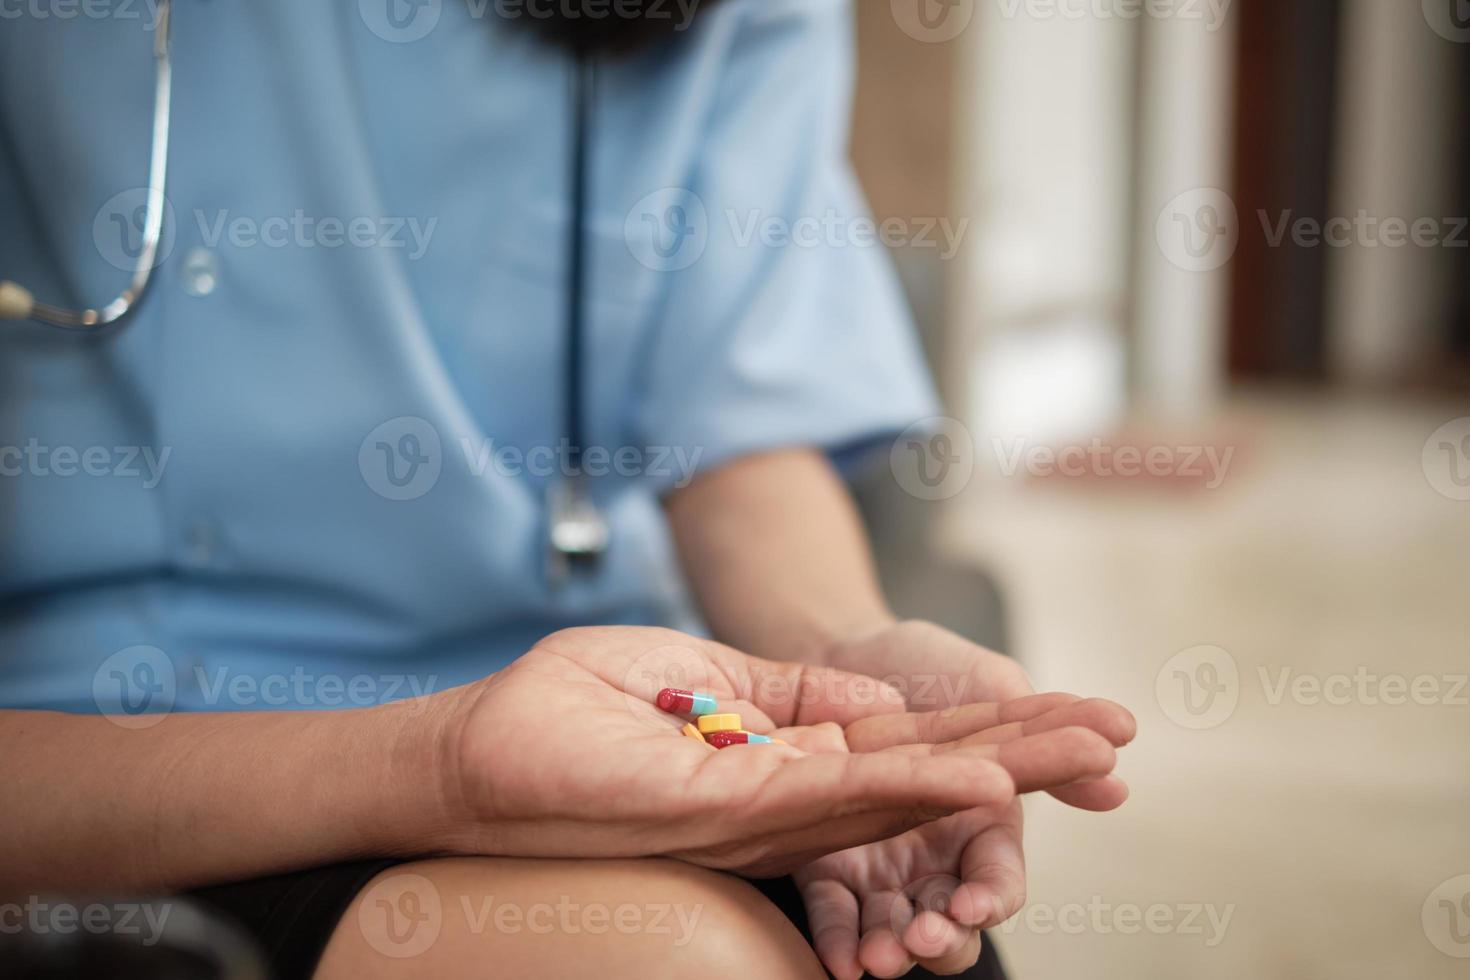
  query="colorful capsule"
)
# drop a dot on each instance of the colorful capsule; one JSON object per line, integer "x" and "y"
{"x": 689, "y": 731}
{"x": 693, "y": 703}
{"x": 718, "y": 723}
{"x": 722, "y": 740}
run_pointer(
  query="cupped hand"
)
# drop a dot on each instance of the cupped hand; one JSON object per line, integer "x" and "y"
{"x": 921, "y": 897}
{"x": 563, "y": 754}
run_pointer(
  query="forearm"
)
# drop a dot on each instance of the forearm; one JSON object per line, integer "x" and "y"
{"x": 199, "y": 798}
{"x": 777, "y": 556}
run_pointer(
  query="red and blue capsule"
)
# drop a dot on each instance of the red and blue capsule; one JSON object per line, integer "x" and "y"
{"x": 723, "y": 740}
{"x": 690, "y": 703}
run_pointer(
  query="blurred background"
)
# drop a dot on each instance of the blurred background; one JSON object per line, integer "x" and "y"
{"x": 1205, "y": 335}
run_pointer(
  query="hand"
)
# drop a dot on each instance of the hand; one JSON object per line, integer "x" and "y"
{"x": 564, "y": 754}
{"x": 936, "y": 668}
{"x": 921, "y": 897}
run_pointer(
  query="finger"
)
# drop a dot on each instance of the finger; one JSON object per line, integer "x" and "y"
{"x": 1035, "y": 762}
{"x": 957, "y": 960}
{"x": 775, "y": 788}
{"x": 933, "y": 935}
{"x": 1098, "y": 794}
{"x": 1110, "y": 720}
{"x": 951, "y": 724}
{"x": 832, "y": 914}
{"x": 993, "y": 873}
{"x": 884, "y": 915}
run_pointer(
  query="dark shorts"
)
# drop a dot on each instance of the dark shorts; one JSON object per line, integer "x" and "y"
{"x": 292, "y": 916}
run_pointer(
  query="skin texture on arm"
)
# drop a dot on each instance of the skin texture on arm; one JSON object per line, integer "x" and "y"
{"x": 200, "y": 798}
{"x": 775, "y": 552}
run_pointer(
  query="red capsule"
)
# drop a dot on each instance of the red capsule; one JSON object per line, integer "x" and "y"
{"x": 680, "y": 702}
{"x": 722, "y": 740}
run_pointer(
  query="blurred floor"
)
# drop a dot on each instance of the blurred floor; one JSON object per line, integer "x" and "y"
{"x": 1320, "y": 829}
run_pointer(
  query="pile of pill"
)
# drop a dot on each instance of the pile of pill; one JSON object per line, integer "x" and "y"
{"x": 709, "y": 726}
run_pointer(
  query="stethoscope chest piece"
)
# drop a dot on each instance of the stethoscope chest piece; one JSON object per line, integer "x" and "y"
{"x": 577, "y": 533}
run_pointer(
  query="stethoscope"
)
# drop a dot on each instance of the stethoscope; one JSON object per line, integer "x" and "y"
{"x": 577, "y": 533}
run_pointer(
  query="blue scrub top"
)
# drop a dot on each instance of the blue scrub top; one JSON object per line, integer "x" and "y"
{"x": 311, "y": 471}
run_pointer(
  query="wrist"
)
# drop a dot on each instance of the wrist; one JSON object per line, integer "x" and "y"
{"x": 832, "y": 645}
{"x": 415, "y": 809}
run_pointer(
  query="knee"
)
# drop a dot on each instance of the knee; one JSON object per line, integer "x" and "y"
{"x": 645, "y": 918}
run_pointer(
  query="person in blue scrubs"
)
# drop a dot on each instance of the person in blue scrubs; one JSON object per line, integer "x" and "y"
{"x": 274, "y": 582}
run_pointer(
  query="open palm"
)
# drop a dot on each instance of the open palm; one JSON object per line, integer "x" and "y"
{"x": 564, "y": 754}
